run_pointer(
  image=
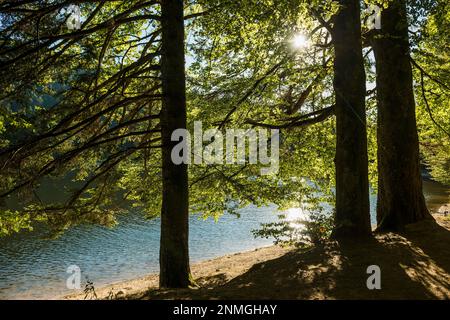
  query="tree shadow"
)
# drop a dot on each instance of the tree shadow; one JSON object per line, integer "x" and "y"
{"x": 430, "y": 242}
{"x": 433, "y": 238}
{"x": 414, "y": 265}
{"x": 391, "y": 253}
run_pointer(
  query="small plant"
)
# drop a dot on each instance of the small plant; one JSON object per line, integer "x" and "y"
{"x": 89, "y": 290}
{"x": 312, "y": 229}
{"x": 111, "y": 295}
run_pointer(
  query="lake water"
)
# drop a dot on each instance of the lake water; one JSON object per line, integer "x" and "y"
{"x": 34, "y": 268}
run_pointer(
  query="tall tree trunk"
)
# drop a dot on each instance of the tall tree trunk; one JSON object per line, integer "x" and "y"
{"x": 352, "y": 185}
{"x": 400, "y": 197}
{"x": 174, "y": 251}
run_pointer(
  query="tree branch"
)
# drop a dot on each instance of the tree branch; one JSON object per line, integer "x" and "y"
{"x": 301, "y": 121}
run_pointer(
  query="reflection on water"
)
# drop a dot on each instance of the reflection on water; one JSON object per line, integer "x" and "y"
{"x": 295, "y": 217}
{"x": 31, "y": 267}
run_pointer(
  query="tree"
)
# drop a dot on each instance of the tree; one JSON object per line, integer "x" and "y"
{"x": 174, "y": 253}
{"x": 248, "y": 72}
{"x": 352, "y": 185}
{"x": 400, "y": 196}
{"x": 289, "y": 94}
{"x": 432, "y": 78}
{"x": 84, "y": 106}
{"x": 107, "y": 112}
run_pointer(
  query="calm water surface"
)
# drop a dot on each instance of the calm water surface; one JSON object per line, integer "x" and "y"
{"x": 34, "y": 268}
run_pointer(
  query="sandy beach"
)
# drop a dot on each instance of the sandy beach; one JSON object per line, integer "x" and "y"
{"x": 223, "y": 269}
{"x": 418, "y": 263}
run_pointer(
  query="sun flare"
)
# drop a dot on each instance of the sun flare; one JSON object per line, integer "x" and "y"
{"x": 300, "y": 41}
{"x": 295, "y": 214}
{"x": 295, "y": 218}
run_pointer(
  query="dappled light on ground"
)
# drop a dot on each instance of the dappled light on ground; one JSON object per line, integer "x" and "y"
{"x": 414, "y": 265}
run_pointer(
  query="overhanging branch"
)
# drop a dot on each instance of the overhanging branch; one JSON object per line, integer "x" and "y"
{"x": 301, "y": 121}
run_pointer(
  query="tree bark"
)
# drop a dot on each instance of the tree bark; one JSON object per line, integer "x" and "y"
{"x": 400, "y": 195}
{"x": 352, "y": 217}
{"x": 174, "y": 249}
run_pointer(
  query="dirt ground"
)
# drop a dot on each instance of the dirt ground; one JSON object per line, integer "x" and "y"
{"x": 414, "y": 265}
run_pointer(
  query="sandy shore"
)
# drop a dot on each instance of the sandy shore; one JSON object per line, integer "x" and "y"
{"x": 224, "y": 268}
{"x": 414, "y": 265}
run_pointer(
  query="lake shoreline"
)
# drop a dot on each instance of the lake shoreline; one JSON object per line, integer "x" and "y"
{"x": 100, "y": 255}
{"x": 243, "y": 275}
{"x": 225, "y": 267}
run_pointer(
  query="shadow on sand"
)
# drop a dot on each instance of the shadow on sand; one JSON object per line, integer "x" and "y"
{"x": 414, "y": 265}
